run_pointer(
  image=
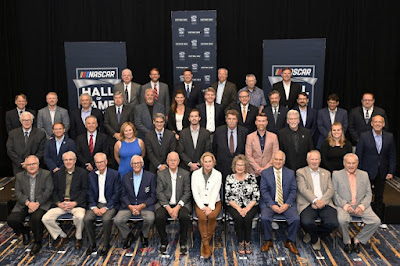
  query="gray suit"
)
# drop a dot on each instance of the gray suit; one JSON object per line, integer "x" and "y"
{"x": 143, "y": 119}
{"x": 342, "y": 196}
{"x": 135, "y": 92}
{"x": 44, "y": 119}
{"x": 163, "y": 94}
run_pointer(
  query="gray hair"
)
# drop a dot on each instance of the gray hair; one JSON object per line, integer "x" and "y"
{"x": 69, "y": 153}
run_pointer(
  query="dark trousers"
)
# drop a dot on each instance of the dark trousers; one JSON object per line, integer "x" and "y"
{"x": 328, "y": 217}
{"x": 243, "y": 225}
{"x": 161, "y": 224}
{"x": 378, "y": 190}
{"x": 89, "y": 219}
{"x": 15, "y": 221}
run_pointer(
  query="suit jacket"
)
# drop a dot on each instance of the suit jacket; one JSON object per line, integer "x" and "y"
{"x": 371, "y": 161}
{"x": 171, "y": 125}
{"x": 44, "y": 119}
{"x": 143, "y": 119}
{"x": 111, "y": 124}
{"x": 357, "y": 123}
{"x": 78, "y": 126}
{"x": 324, "y": 123}
{"x": 260, "y": 160}
{"x": 51, "y": 158}
{"x": 219, "y": 115}
{"x": 268, "y": 187}
{"x": 280, "y": 121}
{"x": 196, "y": 94}
{"x": 187, "y": 152}
{"x": 221, "y": 148}
{"x": 183, "y": 189}
{"x": 18, "y": 151}
{"x": 135, "y": 92}
{"x": 147, "y": 191}
{"x": 43, "y": 190}
{"x": 12, "y": 119}
{"x": 311, "y": 120}
{"x": 112, "y": 189}
{"x": 163, "y": 95}
{"x": 229, "y": 95}
{"x": 341, "y": 188}
{"x": 78, "y": 190}
{"x": 82, "y": 148}
{"x": 305, "y": 188}
{"x": 156, "y": 153}
{"x": 252, "y": 112}
{"x": 290, "y": 103}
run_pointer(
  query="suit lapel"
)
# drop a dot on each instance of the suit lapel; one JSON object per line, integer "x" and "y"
{"x": 309, "y": 178}
{"x": 37, "y": 184}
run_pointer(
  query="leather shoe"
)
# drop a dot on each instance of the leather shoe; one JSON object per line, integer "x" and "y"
{"x": 78, "y": 244}
{"x": 128, "y": 241}
{"x": 356, "y": 247}
{"x": 36, "y": 248}
{"x": 25, "y": 238}
{"x": 347, "y": 248}
{"x": 292, "y": 248}
{"x": 90, "y": 250}
{"x": 104, "y": 250}
{"x": 145, "y": 241}
{"x": 267, "y": 245}
{"x": 61, "y": 242}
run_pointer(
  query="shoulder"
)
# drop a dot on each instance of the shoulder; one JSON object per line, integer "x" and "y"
{"x": 44, "y": 173}
{"x": 287, "y": 171}
{"x": 183, "y": 172}
{"x": 269, "y": 135}
{"x": 118, "y": 86}
{"x": 355, "y": 110}
{"x": 277, "y": 85}
{"x": 135, "y": 85}
{"x": 111, "y": 172}
{"x": 338, "y": 174}
{"x": 242, "y": 129}
{"x": 148, "y": 174}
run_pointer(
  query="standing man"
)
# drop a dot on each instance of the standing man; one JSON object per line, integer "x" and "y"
{"x": 211, "y": 113}
{"x": 161, "y": 90}
{"x": 130, "y": 90}
{"x": 276, "y": 113}
{"x": 257, "y": 97}
{"x": 194, "y": 93}
{"x": 288, "y": 90}
{"x": 308, "y": 115}
{"x": 13, "y": 116}
{"x": 247, "y": 112}
{"x": 225, "y": 90}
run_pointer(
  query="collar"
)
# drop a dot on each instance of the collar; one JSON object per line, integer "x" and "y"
{"x": 105, "y": 172}
{"x": 376, "y": 135}
{"x": 88, "y": 111}
{"x": 72, "y": 172}
{"x": 162, "y": 132}
{"x": 312, "y": 171}
{"x": 334, "y": 111}
{"x": 245, "y": 106}
{"x": 234, "y": 130}
{"x": 191, "y": 129}
{"x": 222, "y": 83}
{"x": 138, "y": 175}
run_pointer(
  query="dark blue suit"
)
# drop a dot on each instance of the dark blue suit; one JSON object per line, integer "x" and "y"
{"x": 111, "y": 190}
{"x": 268, "y": 190}
{"x": 311, "y": 122}
{"x": 324, "y": 122}
{"x": 51, "y": 158}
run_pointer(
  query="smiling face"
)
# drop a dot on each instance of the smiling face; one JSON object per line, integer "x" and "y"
{"x": 32, "y": 165}
{"x": 127, "y": 76}
{"x": 58, "y": 130}
{"x": 154, "y": 76}
{"x": 194, "y": 118}
{"x": 222, "y": 75}
{"x": 332, "y": 104}
{"x": 91, "y": 124}
{"x": 350, "y": 163}
{"x": 302, "y": 100}
{"x": 378, "y": 123}
{"x": 173, "y": 161}
{"x": 26, "y": 121}
{"x": 137, "y": 164}
{"x": 210, "y": 97}
{"x": 159, "y": 124}
{"x": 208, "y": 163}
{"x": 85, "y": 101}
{"x": 69, "y": 161}
{"x": 293, "y": 121}
{"x": 149, "y": 97}
{"x": 261, "y": 123}
{"x": 314, "y": 160}
{"x": 179, "y": 98}
{"x": 21, "y": 102}
{"x": 244, "y": 97}
{"x": 278, "y": 160}
{"x": 100, "y": 161}
{"x": 187, "y": 76}
{"x": 274, "y": 99}
{"x": 128, "y": 132}
{"x": 286, "y": 75}
{"x": 337, "y": 131}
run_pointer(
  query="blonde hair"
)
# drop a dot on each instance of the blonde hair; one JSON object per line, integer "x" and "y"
{"x": 206, "y": 154}
{"x": 124, "y": 125}
{"x": 331, "y": 140}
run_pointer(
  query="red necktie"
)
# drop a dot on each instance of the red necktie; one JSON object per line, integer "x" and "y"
{"x": 91, "y": 144}
{"x": 155, "y": 91}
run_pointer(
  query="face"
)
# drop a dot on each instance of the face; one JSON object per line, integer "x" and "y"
{"x": 194, "y": 118}
{"x": 128, "y": 132}
{"x": 378, "y": 123}
{"x": 69, "y": 161}
{"x": 20, "y": 102}
{"x": 208, "y": 163}
{"x": 278, "y": 160}
{"x": 302, "y": 100}
{"x": 137, "y": 164}
{"x": 100, "y": 162}
{"x": 244, "y": 97}
{"x": 313, "y": 160}
{"x": 180, "y": 98}
{"x": 274, "y": 99}
{"x": 261, "y": 123}
{"x": 209, "y": 96}
{"x": 51, "y": 99}
{"x": 149, "y": 97}
{"x": 85, "y": 102}
{"x": 91, "y": 124}
{"x": 58, "y": 130}
{"x": 154, "y": 76}
{"x": 351, "y": 164}
{"x": 32, "y": 165}
{"x": 231, "y": 121}
{"x": 240, "y": 167}
{"x": 26, "y": 121}
{"x": 293, "y": 121}
{"x": 286, "y": 75}
{"x": 337, "y": 132}
{"x": 222, "y": 75}
{"x": 159, "y": 124}
{"x": 332, "y": 104}
{"x": 127, "y": 76}
{"x": 173, "y": 161}
{"x": 251, "y": 82}
{"x": 187, "y": 76}
{"x": 367, "y": 101}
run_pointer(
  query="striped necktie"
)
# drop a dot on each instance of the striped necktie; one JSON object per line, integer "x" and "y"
{"x": 279, "y": 188}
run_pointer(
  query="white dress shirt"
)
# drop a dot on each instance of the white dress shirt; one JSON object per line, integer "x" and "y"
{"x": 316, "y": 184}
{"x": 102, "y": 186}
{"x": 287, "y": 89}
{"x": 94, "y": 137}
{"x": 332, "y": 115}
{"x": 129, "y": 91}
{"x": 195, "y": 135}
{"x": 220, "y": 92}
{"x": 210, "y": 114}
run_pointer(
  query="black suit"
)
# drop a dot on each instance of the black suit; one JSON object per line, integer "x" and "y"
{"x": 229, "y": 95}
{"x": 171, "y": 125}
{"x": 156, "y": 153}
{"x": 311, "y": 122}
{"x": 294, "y": 91}
{"x": 82, "y": 148}
{"x": 252, "y": 112}
{"x": 77, "y": 126}
{"x": 219, "y": 116}
{"x": 196, "y": 94}
{"x": 280, "y": 121}
{"x": 12, "y": 119}
{"x": 111, "y": 124}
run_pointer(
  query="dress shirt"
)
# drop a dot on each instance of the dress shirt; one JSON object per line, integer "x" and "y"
{"x": 378, "y": 141}
{"x": 210, "y": 116}
{"x": 370, "y": 110}
{"x": 59, "y": 143}
{"x": 262, "y": 140}
{"x": 129, "y": 91}
{"x": 195, "y": 135}
{"x": 287, "y": 89}
{"x": 332, "y": 115}
{"x": 68, "y": 180}
{"x": 20, "y": 111}
{"x": 102, "y": 186}
{"x": 94, "y": 137}
{"x": 137, "y": 179}
{"x": 303, "y": 114}
{"x": 157, "y": 86}
{"x": 353, "y": 187}
{"x": 159, "y": 133}
{"x": 85, "y": 114}
{"x": 190, "y": 86}
{"x": 276, "y": 171}
{"x": 257, "y": 97}
{"x": 32, "y": 187}
{"x": 316, "y": 184}
{"x": 220, "y": 92}
{"x": 234, "y": 137}
{"x": 120, "y": 109}
{"x": 29, "y": 131}
{"x": 246, "y": 108}
{"x": 52, "y": 114}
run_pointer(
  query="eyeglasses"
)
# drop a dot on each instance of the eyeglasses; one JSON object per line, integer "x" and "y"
{"x": 100, "y": 162}
{"x": 31, "y": 164}
{"x": 136, "y": 163}
{"x": 26, "y": 120}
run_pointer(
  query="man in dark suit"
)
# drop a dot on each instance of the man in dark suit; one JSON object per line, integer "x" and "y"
{"x": 194, "y": 93}
{"x": 211, "y": 113}
{"x": 70, "y": 196}
{"x": 161, "y": 90}
{"x": 90, "y": 143}
{"x": 276, "y": 113}
{"x": 174, "y": 200}
{"x": 130, "y": 90}
{"x": 145, "y": 112}
{"x": 103, "y": 197}
{"x": 376, "y": 152}
{"x": 24, "y": 141}
{"x": 287, "y": 89}
{"x": 13, "y": 116}
{"x": 138, "y": 197}
{"x": 193, "y": 142}
{"x": 330, "y": 115}
{"x": 225, "y": 90}
{"x": 360, "y": 117}
{"x": 78, "y": 116}
{"x": 229, "y": 141}
{"x": 278, "y": 196}
{"x": 247, "y": 112}
{"x": 33, "y": 189}
{"x": 295, "y": 142}
{"x": 56, "y": 147}
{"x": 308, "y": 115}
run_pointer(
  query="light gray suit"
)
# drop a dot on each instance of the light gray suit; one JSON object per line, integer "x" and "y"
{"x": 144, "y": 120}
{"x": 44, "y": 119}
{"x": 342, "y": 196}
{"x": 163, "y": 94}
{"x": 135, "y": 92}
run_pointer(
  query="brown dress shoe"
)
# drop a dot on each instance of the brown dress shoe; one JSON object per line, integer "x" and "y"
{"x": 267, "y": 245}
{"x": 78, "y": 243}
{"x": 292, "y": 248}
{"x": 61, "y": 242}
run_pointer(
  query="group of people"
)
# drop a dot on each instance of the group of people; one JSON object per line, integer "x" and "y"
{"x": 218, "y": 146}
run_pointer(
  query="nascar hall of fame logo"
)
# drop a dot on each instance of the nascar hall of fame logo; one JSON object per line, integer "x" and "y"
{"x": 195, "y": 67}
{"x": 182, "y": 55}
{"x": 97, "y": 82}
{"x": 194, "y": 44}
{"x": 206, "y": 32}
{"x": 193, "y": 19}
{"x": 181, "y": 32}
{"x": 207, "y": 55}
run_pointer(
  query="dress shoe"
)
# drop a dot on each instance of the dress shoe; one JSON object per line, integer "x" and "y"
{"x": 267, "y": 245}
{"x": 145, "y": 240}
{"x": 25, "y": 238}
{"x": 356, "y": 247}
{"x": 104, "y": 250}
{"x": 317, "y": 245}
{"x": 307, "y": 238}
{"x": 347, "y": 248}
{"x": 291, "y": 246}
{"x": 207, "y": 251}
{"x": 90, "y": 250}
{"x": 36, "y": 248}
{"x": 183, "y": 250}
{"x": 163, "y": 249}
{"x": 61, "y": 243}
{"x": 78, "y": 244}
{"x": 383, "y": 226}
{"x": 128, "y": 241}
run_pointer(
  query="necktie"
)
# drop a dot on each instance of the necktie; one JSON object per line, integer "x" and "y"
{"x": 279, "y": 188}
{"x": 26, "y": 138}
{"x": 275, "y": 114}
{"x": 366, "y": 117}
{"x": 244, "y": 114}
{"x": 231, "y": 144}
{"x": 118, "y": 114}
{"x": 187, "y": 91}
{"x": 155, "y": 91}
{"x": 91, "y": 144}
{"x": 159, "y": 138}
{"x": 126, "y": 94}
{"x": 20, "y": 113}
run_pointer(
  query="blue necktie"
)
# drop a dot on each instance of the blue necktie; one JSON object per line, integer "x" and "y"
{"x": 187, "y": 92}
{"x": 159, "y": 138}
{"x": 118, "y": 114}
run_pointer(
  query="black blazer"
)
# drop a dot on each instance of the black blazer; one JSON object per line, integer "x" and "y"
{"x": 196, "y": 95}
{"x": 77, "y": 127}
{"x": 187, "y": 152}
{"x": 252, "y": 112}
{"x": 12, "y": 119}
{"x": 291, "y": 103}
{"x": 111, "y": 124}
{"x": 229, "y": 95}
{"x": 311, "y": 122}
{"x": 171, "y": 125}
{"x": 219, "y": 116}
{"x": 78, "y": 190}
{"x": 280, "y": 121}
{"x": 83, "y": 152}
{"x": 156, "y": 153}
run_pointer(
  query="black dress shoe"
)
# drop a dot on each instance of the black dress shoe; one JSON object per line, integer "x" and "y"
{"x": 104, "y": 250}
{"x": 145, "y": 241}
{"x": 356, "y": 247}
{"x": 78, "y": 244}
{"x": 90, "y": 250}
{"x": 347, "y": 248}
{"x": 128, "y": 241}
{"x": 25, "y": 238}
{"x": 36, "y": 248}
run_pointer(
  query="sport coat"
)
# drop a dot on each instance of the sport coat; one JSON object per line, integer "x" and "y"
{"x": 260, "y": 160}
{"x": 82, "y": 148}
{"x": 311, "y": 120}
{"x": 229, "y": 95}
{"x": 144, "y": 120}
{"x": 163, "y": 95}
{"x": 294, "y": 91}
{"x": 12, "y": 119}
{"x": 156, "y": 153}
{"x": 219, "y": 115}
{"x": 135, "y": 92}
{"x": 305, "y": 188}
{"x": 280, "y": 121}
{"x": 51, "y": 158}
{"x": 111, "y": 124}
{"x": 371, "y": 161}
{"x": 44, "y": 119}
{"x": 171, "y": 125}
{"x": 112, "y": 189}
{"x": 147, "y": 191}
{"x": 17, "y": 150}
{"x": 183, "y": 190}
{"x": 324, "y": 122}
{"x": 196, "y": 94}
{"x": 252, "y": 112}
{"x": 78, "y": 126}
{"x": 187, "y": 152}
{"x": 43, "y": 190}
{"x": 78, "y": 190}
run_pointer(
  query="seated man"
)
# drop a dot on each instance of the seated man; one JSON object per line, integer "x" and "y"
{"x": 33, "y": 188}
{"x": 278, "y": 196}
{"x": 314, "y": 199}
{"x": 138, "y": 197}
{"x": 353, "y": 198}
{"x": 70, "y": 196}
{"x": 103, "y": 197}
{"x": 174, "y": 200}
